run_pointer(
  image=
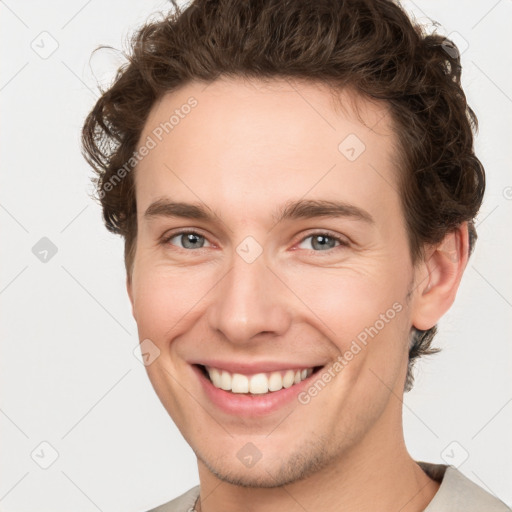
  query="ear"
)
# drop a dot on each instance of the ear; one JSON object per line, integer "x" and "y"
{"x": 130, "y": 294}
{"x": 438, "y": 278}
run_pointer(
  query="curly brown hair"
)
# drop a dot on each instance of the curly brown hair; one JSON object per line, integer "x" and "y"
{"x": 371, "y": 46}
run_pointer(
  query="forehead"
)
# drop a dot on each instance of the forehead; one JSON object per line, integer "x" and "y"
{"x": 250, "y": 142}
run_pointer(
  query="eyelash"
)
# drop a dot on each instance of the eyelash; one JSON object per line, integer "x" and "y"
{"x": 342, "y": 242}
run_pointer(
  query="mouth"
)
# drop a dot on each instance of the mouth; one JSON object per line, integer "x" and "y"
{"x": 253, "y": 389}
{"x": 256, "y": 384}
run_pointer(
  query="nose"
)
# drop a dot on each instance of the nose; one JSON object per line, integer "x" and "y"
{"x": 250, "y": 300}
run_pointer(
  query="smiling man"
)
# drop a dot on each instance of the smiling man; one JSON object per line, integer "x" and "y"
{"x": 296, "y": 186}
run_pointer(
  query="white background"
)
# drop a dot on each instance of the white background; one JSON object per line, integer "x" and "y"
{"x": 68, "y": 374}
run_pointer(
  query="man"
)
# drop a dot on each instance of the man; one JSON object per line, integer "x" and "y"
{"x": 296, "y": 186}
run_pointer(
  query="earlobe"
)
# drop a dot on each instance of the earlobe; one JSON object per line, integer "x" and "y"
{"x": 441, "y": 273}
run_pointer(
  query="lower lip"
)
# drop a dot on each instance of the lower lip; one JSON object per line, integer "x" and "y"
{"x": 248, "y": 405}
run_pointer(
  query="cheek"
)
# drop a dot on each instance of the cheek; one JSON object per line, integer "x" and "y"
{"x": 163, "y": 297}
{"x": 365, "y": 317}
{"x": 342, "y": 302}
{"x": 347, "y": 302}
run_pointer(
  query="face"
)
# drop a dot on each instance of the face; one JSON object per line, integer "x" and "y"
{"x": 295, "y": 258}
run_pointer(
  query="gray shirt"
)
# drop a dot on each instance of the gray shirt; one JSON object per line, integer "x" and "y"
{"x": 457, "y": 493}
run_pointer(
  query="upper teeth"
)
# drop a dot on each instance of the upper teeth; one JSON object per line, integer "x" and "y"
{"x": 258, "y": 383}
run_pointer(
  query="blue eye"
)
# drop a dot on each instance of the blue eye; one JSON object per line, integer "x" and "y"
{"x": 324, "y": 241}
{"x": 320, "y": 242}
{"x": 189, "y": 239}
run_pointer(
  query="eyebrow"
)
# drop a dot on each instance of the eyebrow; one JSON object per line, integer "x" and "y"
{"x": 300, "y": 209}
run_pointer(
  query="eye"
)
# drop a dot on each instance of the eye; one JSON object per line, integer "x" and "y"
{"x": 321, "y": 242}
{"x": 188, "y": 239}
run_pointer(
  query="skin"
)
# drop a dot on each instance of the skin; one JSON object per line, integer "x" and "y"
{"x": 245, "y": 150}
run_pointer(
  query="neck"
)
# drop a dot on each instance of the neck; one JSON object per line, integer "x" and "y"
{"x": 376, "y": 474}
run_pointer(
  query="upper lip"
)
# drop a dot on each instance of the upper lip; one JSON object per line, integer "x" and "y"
{"x": 250, "y": 368}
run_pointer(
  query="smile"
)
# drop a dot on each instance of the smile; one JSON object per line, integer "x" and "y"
{"x": 253, "y": 395}
{"x": 259, "y": 383}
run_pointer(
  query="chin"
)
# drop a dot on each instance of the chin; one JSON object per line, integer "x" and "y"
{"x": 275, "y": 471}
